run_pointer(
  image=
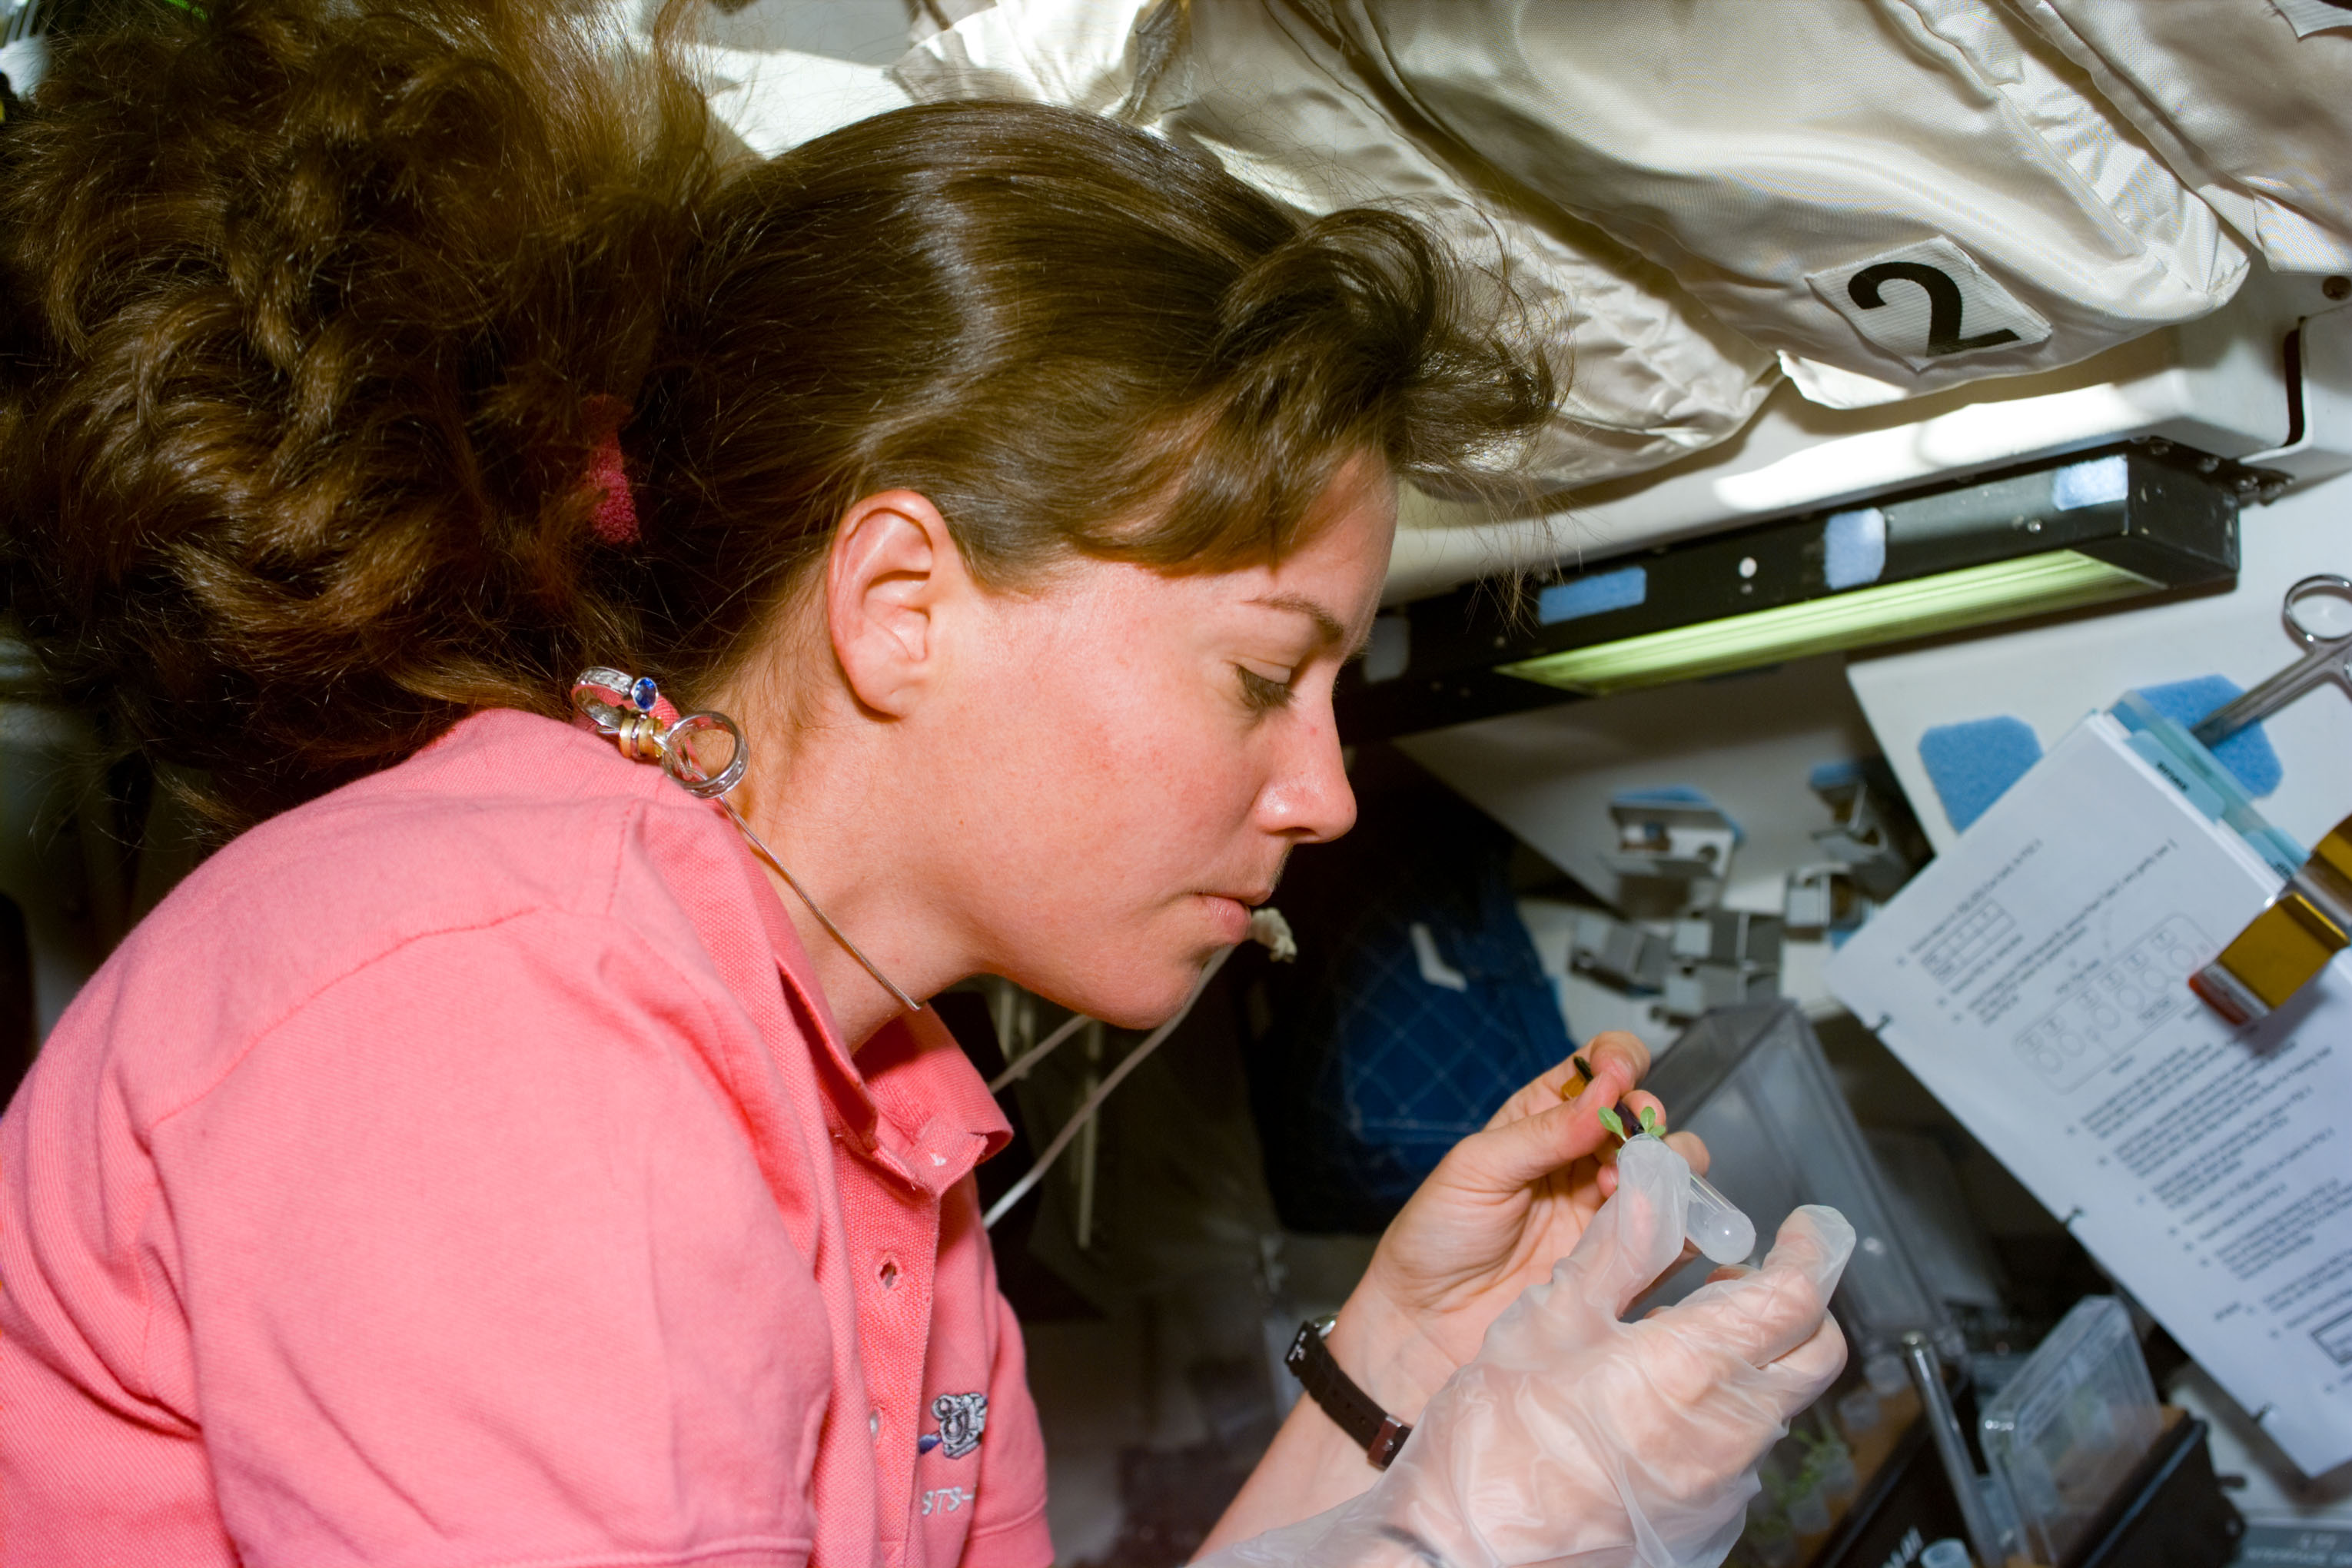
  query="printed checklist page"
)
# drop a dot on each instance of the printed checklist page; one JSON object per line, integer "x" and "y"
{"x": 2035, "y": 978}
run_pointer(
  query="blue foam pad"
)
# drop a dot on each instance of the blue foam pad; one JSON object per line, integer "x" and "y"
{"x": 2247, "y": 753}
{"x": 1830, "y": 775}
{"x": 1973, "y": 764}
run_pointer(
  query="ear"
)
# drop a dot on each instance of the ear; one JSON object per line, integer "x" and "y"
{"x": 892, "y": 569}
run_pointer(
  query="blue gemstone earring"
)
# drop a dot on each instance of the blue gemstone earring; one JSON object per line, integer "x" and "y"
{"x": 625, "y": 708}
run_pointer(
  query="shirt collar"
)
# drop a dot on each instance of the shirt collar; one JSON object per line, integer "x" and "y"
{"x": 911, "y": 1100}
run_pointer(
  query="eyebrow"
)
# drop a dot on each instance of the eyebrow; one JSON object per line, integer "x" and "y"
{"x": 1327, "y": 625}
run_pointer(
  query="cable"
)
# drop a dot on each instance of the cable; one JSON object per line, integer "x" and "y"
{"x": 1092, "y": 1103}
{"x": 1038, "y": 1053}
{"x": 1266, "y": 928}
{"x": 909, "y": 1003}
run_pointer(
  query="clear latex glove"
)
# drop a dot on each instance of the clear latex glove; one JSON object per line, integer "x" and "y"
{"x": 1577, "y": 1439}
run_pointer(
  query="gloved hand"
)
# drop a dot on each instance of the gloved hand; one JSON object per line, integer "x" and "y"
{"x": 1574, "y": 1438}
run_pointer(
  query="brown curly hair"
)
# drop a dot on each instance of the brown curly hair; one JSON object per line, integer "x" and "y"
{"x": 307, "y": 308}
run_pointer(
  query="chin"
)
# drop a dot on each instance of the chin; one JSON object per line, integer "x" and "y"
{"x": 1137, "y": 995}
{"x": 1142, "y": 1005}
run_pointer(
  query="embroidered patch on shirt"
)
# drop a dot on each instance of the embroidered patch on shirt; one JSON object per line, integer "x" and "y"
{"x": 962, "y": 1417}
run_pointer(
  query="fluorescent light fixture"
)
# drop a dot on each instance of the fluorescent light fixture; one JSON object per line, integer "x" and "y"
{"x": 1922, "y": 606}
{"x": 2093, "y": 528}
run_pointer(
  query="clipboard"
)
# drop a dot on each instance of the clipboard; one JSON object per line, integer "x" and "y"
{"x": 2035, "y": 978}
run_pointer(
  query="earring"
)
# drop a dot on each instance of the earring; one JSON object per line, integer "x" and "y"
{"x": 640, "y": 719}
{"x": 648, "y": 728}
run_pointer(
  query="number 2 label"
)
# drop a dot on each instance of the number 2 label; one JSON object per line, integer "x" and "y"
{"x": 1946, "y": 305}
{"x": 1927, "y": 303}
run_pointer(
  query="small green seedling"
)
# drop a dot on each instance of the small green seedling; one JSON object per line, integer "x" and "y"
{"x": 1616, "y": 1123}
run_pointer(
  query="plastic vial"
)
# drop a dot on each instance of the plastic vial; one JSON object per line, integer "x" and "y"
{"x": 1857, "y": 1414}
{"x": 1840, "y": 1483}
{"x": 1714, "y": 1225}
{"x": 1999, "y": 1509}
{"x": 1946, "y": 1553}
{"x": 1885, "y": 1373}
{"x": 1809, "y": 1513}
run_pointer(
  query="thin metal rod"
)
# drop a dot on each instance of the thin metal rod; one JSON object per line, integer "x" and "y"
{"x": 2312, "y": 669}
{"x": 909, "y": 1003}
{"x": 1952, "y": 1448}
{"x": 1089, "y": 1145}
{"x": 2327, "y": 654}
{"x": 1133, "y": 1059}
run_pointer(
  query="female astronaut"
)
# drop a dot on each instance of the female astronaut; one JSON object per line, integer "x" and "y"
{"x": 486, "y": 1157}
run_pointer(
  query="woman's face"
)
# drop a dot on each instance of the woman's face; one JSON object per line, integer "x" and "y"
{"x": 1141, "y": 752}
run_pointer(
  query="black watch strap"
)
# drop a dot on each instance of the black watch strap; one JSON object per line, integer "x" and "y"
{"x": 1349, "y": 1407}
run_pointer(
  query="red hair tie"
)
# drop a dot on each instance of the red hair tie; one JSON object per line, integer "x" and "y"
{"x": 616, "y": 519}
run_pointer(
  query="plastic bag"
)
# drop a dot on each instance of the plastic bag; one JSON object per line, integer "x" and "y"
{"x": 1574, "y": 1438}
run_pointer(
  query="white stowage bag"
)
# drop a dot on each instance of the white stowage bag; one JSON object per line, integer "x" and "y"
{"x": 1646, "y": 375}
{"x": 1917, "y": 192}
{"x": 2246, "y": 99}
{"x": 771, "y": 97}
{"x": 1574, "y": 1438}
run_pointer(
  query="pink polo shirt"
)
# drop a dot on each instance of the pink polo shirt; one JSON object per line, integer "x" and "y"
{"x": 464, "y": 1170}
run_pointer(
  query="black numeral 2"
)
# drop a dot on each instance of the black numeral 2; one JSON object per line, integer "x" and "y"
{"x": 1944, "y": 305}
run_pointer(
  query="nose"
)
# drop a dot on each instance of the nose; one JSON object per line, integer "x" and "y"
{"x": 1309, "y": 800}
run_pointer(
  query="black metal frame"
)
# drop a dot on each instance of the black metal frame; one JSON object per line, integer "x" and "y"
{"x": 2175, "y": 524}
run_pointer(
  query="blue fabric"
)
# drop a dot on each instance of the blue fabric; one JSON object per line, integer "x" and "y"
{"x": 2247, "y": 754}
{"x": 1370, "y": 1071}
{"x": 1973, "y": 764}
{"x": 1420, "y": 1066}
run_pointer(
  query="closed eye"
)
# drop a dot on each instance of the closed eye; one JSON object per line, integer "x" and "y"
{"x": 1262, "y": 694}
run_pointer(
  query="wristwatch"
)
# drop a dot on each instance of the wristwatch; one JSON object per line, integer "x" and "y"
{"x": 1349, "y": 1406}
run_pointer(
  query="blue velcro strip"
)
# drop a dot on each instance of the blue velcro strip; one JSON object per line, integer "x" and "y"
{"x": 1973, "y": 764}
{"x": 2095, "y": 483}
{"x": 1853, "y": 547}
{"x": 2247, "y": 754}
{"x": 1581, "y": 597}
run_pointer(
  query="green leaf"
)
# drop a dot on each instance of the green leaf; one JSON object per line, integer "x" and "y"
{"x": 1649, "y": 1118}
{"x": 1608, "y": 1118}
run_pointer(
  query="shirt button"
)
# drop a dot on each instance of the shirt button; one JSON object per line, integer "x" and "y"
{"x": 874, "y": 1423}
{"x": 888, "y": 1274}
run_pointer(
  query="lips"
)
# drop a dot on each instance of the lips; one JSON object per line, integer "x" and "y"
{"x": 1252, "y": 894}
{"x": 1233, "y": 916}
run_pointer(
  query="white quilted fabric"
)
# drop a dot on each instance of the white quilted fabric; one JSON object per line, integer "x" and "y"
{"x": 1773, "y": 152}
{"x": 1649, "y": 375}
{"x": 2249, "y": 102}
